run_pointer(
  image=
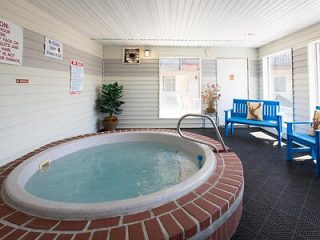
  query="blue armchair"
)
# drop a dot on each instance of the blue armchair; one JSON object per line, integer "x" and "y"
{"x": 308, "y": 143}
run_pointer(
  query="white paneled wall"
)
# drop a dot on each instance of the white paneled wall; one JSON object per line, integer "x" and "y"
{"x": 253, "y": 73}
{"x": 299, "y": 43}
{"x": 42, "y": 110}
{"x": 141, "y": 82}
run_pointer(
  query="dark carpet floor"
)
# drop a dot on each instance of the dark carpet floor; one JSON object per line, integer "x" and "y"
{"x": 281, "y": 199}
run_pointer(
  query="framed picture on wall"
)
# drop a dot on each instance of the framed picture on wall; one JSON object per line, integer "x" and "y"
{"x": 131, "y": 56}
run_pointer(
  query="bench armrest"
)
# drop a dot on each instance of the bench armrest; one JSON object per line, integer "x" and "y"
{"x": 279, "y": 119}
{"x": 226, "y": 113}
{"x": 300, "y": 122}
{"x": 290, "y": 125}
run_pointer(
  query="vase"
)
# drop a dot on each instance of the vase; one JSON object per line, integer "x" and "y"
{"x": 110, "y": 123}
{"x": 210, "y": 109}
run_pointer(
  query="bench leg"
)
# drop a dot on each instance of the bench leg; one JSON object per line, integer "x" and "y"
{"x": 318, "y": 165}
{"x": 289, "y": 149}
{"x": 232, "y": 128}
{"x": 226, "y": 128}
{"x": 313, "y": 153}
{"x": 279, "y": 136}
{"x": 317, "y": 152}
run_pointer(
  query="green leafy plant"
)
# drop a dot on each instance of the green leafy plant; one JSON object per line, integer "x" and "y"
{"x": 110, "y": 102}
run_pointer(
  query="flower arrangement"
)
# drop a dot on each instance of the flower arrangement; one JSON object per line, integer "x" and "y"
{"x": 210, "y": 95}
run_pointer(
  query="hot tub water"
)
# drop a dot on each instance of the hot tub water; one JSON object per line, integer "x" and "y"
{"x": 113, "y": 172}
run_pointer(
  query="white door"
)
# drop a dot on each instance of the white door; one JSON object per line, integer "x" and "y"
{"x": 232, "y": 77}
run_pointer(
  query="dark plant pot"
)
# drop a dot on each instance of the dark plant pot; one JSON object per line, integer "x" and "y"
{"x": 210, "y": 110}
{"x": 110, "y": 123}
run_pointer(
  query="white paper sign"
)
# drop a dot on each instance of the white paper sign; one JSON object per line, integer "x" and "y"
{"x": 53, "y": 48}
{"x": 11, "y": 43}
{"x": 76, "y": 77}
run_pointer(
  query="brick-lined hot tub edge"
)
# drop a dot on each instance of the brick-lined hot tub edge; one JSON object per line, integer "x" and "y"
{"x": 228, "y": 228}
{"x": 196, "y": 215}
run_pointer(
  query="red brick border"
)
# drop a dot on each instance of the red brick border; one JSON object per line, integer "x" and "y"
{"x": 183, "y": 218}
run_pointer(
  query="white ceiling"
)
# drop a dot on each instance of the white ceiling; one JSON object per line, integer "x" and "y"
{"x": 184, "y": 22}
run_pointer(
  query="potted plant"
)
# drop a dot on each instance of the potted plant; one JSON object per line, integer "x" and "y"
{"x": 110, "y": 103}
{"x": 210, "y": 95}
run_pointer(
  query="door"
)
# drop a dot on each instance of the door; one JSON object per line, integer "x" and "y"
{"x": 232, "y": 77}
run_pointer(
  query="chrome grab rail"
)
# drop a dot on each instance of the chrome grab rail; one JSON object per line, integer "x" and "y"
{"x": 199, "y": 141}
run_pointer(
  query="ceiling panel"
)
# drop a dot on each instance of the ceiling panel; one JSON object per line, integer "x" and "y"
{"x": 244, "y": 23}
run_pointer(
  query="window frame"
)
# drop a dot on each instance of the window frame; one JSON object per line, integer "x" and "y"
{"x": 172, "y": 72}
{"x": 314, "y": 75}
{"x": 266, "y": 77}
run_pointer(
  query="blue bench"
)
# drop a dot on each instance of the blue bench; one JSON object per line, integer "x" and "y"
{"x": 309, "y": 143}
{"x": 270, "y": 113}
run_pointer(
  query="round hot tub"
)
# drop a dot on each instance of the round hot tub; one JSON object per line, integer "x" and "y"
{"x": 108, "y": 175}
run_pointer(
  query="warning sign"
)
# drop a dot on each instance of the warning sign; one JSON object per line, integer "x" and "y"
{"x": 76, "y": 77}
{"x": 11, "y": 43}
{"x": 53, "y": 48}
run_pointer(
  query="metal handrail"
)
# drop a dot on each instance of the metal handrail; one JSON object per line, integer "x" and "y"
{"x": 199, "y": 141}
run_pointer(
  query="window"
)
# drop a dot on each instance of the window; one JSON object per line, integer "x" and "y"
{"x": 280, "y": 84}
{"x": 179, "y": 84}
{"x": 317, "y": 73}
{"x": 169, "y": 83}
{"x": 277, "y": 81}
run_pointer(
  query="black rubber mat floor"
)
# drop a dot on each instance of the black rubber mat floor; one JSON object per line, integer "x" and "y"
{"x": 281, "y": 199}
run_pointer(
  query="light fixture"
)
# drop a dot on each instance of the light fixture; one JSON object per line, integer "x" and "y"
{"x": 208, "y": 51}
{"x": 147, "y": 52}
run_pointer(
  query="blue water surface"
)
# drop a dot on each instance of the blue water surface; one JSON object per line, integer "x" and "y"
{"x": 113, "y": 172}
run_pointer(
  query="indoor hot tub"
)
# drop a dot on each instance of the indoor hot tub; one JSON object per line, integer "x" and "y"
{"x": 128, "y": 184}
{"x": 108, "y": 175}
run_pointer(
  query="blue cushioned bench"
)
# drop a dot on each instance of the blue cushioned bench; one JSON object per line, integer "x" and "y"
{"x": 309, "y": 143}
{"x": 270, "y": 113}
